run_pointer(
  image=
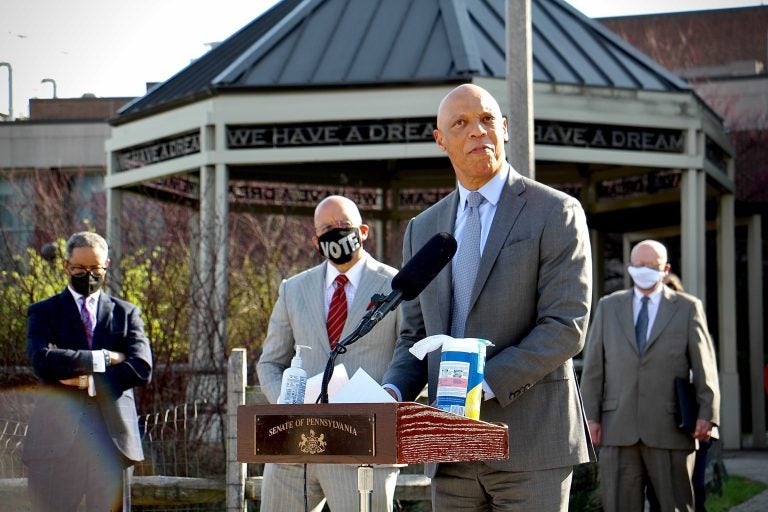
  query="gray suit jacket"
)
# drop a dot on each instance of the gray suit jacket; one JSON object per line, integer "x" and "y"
{"x": 632, "y": 396}
{"x": 298, "y": 318}
{"x": 531, "y": 300}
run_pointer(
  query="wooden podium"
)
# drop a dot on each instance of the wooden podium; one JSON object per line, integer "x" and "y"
{"x": 364, "y": 434}
{"x": 379, "y": 433}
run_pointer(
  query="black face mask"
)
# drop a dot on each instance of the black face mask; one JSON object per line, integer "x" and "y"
{"x": 338, "y": 245}
{"x": 87, "y": 283}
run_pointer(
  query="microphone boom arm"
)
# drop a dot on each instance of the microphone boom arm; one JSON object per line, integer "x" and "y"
{"x": 383, "y": 304}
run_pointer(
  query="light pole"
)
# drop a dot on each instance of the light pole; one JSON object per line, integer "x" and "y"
{"x": 50, "y": 81}
{"x": 10, "y": 89}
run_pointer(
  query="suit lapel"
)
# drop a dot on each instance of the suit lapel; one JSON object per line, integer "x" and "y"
{"x": 667, "y": 311}
{"x": 71, "y": 317}
{"x": 626, "y": 318}
{"x": 371, "y": 282}
{"x": 511, "y": 203}
{"x": 313, "y": 297}
{"x": 446, "y": 215}
{"x": 103, "y": 319}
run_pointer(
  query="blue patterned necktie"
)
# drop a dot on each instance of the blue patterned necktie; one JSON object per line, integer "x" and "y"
{"x": 85, "y": 316}
{"x": 467, "y": 262}
{"x": 641, "y": 327}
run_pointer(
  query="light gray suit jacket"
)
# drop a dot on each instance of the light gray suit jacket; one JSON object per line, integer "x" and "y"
{"x": 632, "y": 396}
{"x": 298, "y": 318}
{"x": 531, "y": 300}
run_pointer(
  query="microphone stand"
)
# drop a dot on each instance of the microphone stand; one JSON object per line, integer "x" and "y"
{"x": 366, "y": 324}
{"x": 382, "y": 304}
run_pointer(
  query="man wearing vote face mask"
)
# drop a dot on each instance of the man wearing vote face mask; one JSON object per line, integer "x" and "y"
{"x": 318, "y": 308}
{"x": 89, "y": 351}
{"x": 639, "y": 341}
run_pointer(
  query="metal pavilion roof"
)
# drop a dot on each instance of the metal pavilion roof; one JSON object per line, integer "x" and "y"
{"x": 338, "y": 43}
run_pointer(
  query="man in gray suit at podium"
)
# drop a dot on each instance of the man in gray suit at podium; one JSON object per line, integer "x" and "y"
{"x": 318, "y": 308}
{"x": 521, "y": 278}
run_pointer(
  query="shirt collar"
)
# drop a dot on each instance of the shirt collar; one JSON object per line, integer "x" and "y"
{"x": 354, "y": 274}
{"x": 95, "y": 295}
{"x": 655, "y": 296}
{"x": 491, "y": 191}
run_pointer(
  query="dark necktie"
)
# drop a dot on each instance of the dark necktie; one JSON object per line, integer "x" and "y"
{"x": 337, "y": 312}
{"x": 641, "y": 327}
{"x": 467, "y": 263}
{"x": 85, "y": 316}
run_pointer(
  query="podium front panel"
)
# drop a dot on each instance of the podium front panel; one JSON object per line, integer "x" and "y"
{"x": 317, "y": 433}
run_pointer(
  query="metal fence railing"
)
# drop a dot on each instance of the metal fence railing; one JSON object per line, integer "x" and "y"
{"x": 182, "y": 444}
{"x": 11, "y": 439}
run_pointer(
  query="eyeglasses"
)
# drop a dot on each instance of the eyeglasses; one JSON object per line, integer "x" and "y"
{"x": 80, "y": 271}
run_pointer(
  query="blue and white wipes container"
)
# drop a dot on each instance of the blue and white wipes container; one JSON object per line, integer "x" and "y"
{"x": 460, "y": 380}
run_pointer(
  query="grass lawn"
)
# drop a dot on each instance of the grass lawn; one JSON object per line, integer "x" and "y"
{"x": 735, "y": 490}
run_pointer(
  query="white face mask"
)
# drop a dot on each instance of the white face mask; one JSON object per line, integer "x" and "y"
{"x": 644, "y": 277}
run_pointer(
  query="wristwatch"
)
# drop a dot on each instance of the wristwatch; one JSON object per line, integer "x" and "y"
{"x": 107, "y": 357}
{"x": 83, "y": 383}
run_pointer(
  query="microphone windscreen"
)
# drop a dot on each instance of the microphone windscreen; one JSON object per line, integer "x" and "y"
{"x": 423, "y": 266}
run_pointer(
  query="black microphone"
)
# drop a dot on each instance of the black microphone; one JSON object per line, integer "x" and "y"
{"x": 417, "y": 273}
{"x": 407, "y": 284}
{"x": 424, "y": 266}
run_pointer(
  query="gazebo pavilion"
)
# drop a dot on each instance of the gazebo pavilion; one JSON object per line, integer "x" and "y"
{"x": 326, "y": 96}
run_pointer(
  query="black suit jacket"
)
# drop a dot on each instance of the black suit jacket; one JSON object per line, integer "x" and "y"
{"x": 58, "y": 349}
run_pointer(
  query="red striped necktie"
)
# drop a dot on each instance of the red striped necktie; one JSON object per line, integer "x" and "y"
{"x": 337, "y": 312}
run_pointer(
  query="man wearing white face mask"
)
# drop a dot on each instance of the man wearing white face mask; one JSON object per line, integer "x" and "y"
{"x": 639, "y": 341}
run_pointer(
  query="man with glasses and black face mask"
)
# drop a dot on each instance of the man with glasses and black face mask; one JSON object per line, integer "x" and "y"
{"x": 318, "y": 308}
{"x": 641, "y": 339}
{"x": 89, "y": 351}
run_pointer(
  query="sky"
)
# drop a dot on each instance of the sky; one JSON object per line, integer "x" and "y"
{"x": 113, "y": 48}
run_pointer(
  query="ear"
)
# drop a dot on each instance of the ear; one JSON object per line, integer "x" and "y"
{"x": 316, "y": 242}
{"x": 506, "y": 132}
{"x": 439, "y": 139}
{"x": 363, "y": 232}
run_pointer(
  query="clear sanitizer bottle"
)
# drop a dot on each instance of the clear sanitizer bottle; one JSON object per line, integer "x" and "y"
{"x": 294, "y": 381}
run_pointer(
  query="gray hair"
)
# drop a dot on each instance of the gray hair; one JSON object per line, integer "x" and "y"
{"x": 86, "y": 239}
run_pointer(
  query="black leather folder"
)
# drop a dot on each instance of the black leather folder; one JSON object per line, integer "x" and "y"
{"x": 687, "y": 407}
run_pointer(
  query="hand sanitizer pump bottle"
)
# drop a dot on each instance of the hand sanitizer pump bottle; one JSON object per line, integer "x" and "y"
{"x": 294, "y": 381}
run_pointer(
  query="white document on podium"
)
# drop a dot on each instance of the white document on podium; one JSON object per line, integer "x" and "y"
{"x": 338, "y": 380}
{"x": 361, "y": 389}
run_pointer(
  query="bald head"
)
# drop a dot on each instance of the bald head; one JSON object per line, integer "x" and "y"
{"x": 464, "y": 93}
{"x": 336, "y": 211}
{"x": 472, "y": 131}
{"x": 649, "y": 253}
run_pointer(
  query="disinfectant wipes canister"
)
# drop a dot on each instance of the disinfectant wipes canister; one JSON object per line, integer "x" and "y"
{"x": 462, "y": 364}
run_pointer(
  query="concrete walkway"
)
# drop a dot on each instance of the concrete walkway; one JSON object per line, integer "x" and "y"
{"x": 753, "y": 465}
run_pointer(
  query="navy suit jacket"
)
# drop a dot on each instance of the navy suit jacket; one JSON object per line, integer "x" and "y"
{"x": 58, "y": 349}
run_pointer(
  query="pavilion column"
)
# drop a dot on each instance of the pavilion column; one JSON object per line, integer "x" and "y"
{"x": 520, "y": 149}
{"x": 209, "y": 298}
{"x": 692, "y": 232}
{"x": 114, "y": 233}
{"x": 204, "y": 343}
{"x": 597, "y": 241}
{"x": 221, "y": 270}
{"x": 756, "y": 312}
{"x": 730, "y": 405}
